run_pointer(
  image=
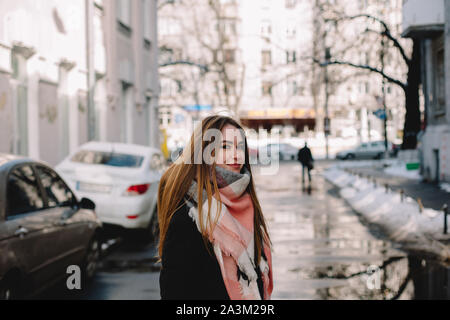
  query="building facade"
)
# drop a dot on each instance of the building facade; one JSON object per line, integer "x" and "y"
{"x": 268, "y": 52}
{"x": 429, "y": 23}
{"x": 76, "y": 71}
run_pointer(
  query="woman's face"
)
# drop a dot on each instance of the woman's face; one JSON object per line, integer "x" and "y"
{"x": 231, "y": 153}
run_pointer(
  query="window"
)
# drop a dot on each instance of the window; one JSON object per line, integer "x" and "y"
{"x": 290, "y": 4}
{"x": 108, "y": 159}
{"x": 228, "y": 26}
{"x": 58, "y": 194}
{"x": 291, "y": 57}
{"x": 266, "y": 28}
{"x": 23, "y": 194}
{"x": 123, "y": 10}
{"x": 363, "y": 4}
{"x": 146, "y": 4}
{"x": 440, "y": 82}
{"x": 291, "y": 29}
{"x": 267, "y": 88}
{"x": 229, "y": 56}
{"x": 294, "y": 88}
{"x": 266, "y": 57}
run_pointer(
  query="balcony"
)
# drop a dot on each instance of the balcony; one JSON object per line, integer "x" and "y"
{"x": 423, "y": 18}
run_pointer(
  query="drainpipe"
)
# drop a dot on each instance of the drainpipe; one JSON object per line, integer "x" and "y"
{"x": 90, "y": 59}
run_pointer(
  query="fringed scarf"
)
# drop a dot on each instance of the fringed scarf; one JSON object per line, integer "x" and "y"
{"x": 233, "y": 235}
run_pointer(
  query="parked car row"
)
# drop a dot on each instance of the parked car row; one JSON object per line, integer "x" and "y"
{"x": 53, "y": 219}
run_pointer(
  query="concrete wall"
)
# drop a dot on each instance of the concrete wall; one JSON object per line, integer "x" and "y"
{"x": 54, "y": 33}
{"x": 436, "y": 140}
{"x": 6, "y": 114}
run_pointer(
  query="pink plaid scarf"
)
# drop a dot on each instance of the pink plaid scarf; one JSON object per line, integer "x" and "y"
{"x": 233, "y": 236}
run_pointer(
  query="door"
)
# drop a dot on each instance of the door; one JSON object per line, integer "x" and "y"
{"x": 375, "y": 149}
{"x": 72, "y": 235}
{"x": 35, "y": 239}
{"x": 362, "y": 151}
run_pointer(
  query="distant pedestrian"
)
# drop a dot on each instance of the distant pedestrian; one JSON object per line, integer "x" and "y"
{"x": 305, "y": 157}
{"x": 214, "y": 242}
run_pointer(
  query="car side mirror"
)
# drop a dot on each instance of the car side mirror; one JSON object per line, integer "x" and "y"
{"x": 86, "y": 203}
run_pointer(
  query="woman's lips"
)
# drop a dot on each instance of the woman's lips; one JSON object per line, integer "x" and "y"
{"x": 235, "y": 165}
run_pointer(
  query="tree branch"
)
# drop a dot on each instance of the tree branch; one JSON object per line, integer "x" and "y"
{"x": 204, "y": 68}
{"x": 364, "y": 67}
{"x": 386, "y": 31}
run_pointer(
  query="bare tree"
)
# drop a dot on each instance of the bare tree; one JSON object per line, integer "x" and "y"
{"x": 410, "y": 87}
{"x": 208, "y": 41}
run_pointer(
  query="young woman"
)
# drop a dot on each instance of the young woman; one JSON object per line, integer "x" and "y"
{"x": 214, "y": 242}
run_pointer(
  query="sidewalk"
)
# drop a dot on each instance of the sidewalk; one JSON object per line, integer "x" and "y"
{"x": 431, "y": 195}
{"x": 363, "y": 186}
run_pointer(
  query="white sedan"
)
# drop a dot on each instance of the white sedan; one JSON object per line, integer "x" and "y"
{"x": 122, "y": 180}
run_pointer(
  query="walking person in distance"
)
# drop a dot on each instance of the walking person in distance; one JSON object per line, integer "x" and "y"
{"x": 306, "y": 159}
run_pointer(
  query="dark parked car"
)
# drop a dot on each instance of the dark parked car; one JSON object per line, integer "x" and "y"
{"x": 44, "y": 229}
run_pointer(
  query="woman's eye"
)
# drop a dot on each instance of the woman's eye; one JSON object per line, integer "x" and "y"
{"x": 225, "y": 146}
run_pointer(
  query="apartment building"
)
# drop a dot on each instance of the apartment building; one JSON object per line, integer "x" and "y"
{"x": 73, "y": 71}
{"x": 429, "y": 23}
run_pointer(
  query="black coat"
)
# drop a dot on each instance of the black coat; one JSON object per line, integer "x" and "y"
{"x": 189, "y": 271}
{"x": 304, "y": 156}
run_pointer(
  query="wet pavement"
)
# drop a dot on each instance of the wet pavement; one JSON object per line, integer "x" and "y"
{"x": 324, "y": 250}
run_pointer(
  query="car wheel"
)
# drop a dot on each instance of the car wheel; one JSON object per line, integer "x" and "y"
{"x": 91, "y": 260}
{"x": 350, "y": 156}
{"x": 379, "y": 156}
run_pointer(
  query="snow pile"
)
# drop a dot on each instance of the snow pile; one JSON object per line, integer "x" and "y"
{"x": 445, "y": 186}
{"x": 402, "y": 220}
{"x": 400, "y": 170}
{"x": 366, "y": 163}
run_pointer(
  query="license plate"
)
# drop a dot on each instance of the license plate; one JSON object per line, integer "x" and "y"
{"x": 93, "y": 187}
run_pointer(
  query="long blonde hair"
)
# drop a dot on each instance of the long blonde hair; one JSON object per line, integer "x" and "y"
{"x": 176, "y": 181}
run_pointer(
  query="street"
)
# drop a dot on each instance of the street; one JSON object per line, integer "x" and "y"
{"x": 322, "y": 249}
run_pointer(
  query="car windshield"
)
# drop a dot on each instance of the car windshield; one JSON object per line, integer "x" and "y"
{"x": 108, "y": 158}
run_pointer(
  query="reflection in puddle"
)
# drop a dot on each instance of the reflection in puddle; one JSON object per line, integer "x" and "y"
{"x": 396, "y": 278}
